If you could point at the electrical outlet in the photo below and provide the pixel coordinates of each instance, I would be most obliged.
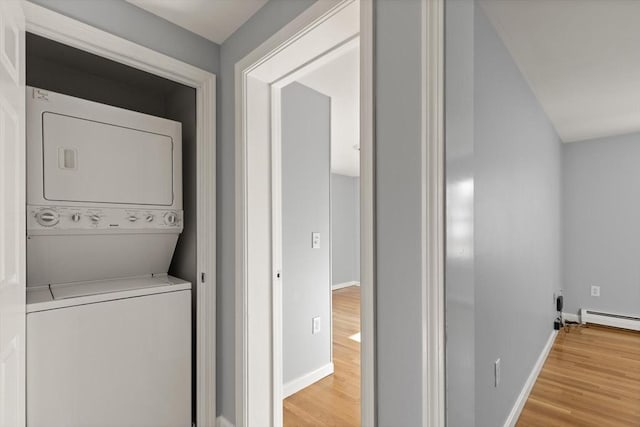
(315, 325)
(496, 372)
(315, 240)
(595, 291)
(554, 298)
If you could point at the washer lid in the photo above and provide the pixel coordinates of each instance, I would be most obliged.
(72, 294)
(100, 287)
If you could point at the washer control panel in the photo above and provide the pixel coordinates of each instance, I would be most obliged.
(78, 218)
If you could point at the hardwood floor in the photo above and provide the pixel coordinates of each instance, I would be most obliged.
(334, 400)
(591, 378)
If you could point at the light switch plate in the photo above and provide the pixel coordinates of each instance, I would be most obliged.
(315, 325)
(595, 291)
(315, 240)
(496, 372)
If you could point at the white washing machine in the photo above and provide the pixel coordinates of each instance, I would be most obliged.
(110, 353)
(108, 331)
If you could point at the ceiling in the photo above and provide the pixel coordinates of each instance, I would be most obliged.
(581, 59)
(212, 19)
(340, 80)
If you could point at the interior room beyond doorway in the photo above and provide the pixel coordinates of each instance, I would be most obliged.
(321, 242)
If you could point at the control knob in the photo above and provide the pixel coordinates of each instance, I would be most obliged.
(75, 217)
(132, 218)
(95, 218)
(47, 217)
(149, 218)
(170, 218)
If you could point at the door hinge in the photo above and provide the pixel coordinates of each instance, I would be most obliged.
(202, 277)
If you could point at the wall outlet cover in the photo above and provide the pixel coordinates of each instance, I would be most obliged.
(315, 325)
(595, 291)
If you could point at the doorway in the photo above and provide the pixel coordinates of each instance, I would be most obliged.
(260, 270)
(320, 228)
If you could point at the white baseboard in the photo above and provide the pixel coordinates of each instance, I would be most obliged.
(221, 421)
(571, 317)
(512, 419)
(306, 380)
(344, 285)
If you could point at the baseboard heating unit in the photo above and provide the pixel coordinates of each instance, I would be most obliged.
(610, 319)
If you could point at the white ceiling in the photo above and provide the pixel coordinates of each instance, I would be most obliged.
(581, 58)
(340, 80)
(212, 19)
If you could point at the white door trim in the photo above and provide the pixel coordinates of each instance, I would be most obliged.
(12, 215)
(279, 389)
(55, 26)
(368, 391)
(304, 23)
(433, 208)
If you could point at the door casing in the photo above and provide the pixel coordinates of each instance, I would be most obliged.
(258, 289)
(12, 215)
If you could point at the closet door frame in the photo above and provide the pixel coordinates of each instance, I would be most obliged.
(60, 28)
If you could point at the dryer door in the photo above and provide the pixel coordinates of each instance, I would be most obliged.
(90, 161)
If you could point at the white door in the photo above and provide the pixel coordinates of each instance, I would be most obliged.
(12, 215)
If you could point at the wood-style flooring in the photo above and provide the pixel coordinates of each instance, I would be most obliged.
(591, 378)
(334, 400)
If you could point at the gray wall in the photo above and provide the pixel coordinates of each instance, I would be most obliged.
(345, 229)
(601, 231)
(517, 212)
(398, 213)
(459, 267)
(306, 165)
(267, 21)
(132, 23)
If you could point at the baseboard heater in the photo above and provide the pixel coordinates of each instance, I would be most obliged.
(610, 319)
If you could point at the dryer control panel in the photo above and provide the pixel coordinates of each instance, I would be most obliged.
(62, 218)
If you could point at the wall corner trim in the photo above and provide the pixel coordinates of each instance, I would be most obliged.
(306, 380)
(512, 419)
(221, 421)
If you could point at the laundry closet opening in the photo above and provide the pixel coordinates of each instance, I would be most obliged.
(57, 69)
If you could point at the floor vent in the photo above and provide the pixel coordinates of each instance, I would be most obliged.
(610, 319)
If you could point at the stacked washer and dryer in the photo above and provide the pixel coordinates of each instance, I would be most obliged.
(108, 330)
